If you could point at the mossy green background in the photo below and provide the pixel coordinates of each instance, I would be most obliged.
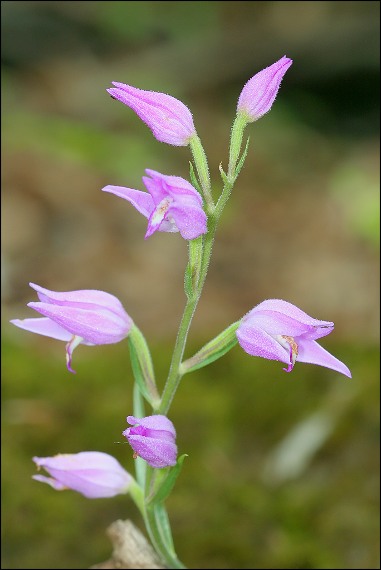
(302, 224)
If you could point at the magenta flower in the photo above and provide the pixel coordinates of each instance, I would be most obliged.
(79, 317)
(278, 330)
(168, 118)
(259, 92)
(172, 205)
(92, 473)
(153, 438)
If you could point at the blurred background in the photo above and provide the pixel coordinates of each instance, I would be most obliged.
(283, 470)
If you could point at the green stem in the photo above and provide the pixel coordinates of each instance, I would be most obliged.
(136, 493)
(160, 536)
(224, 197)
(174, 375)
(139, 412)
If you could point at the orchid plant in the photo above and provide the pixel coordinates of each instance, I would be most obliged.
(274, 329)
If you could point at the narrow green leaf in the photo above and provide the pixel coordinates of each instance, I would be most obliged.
(193, 178)
(137, 372)
(242, 159)
(224, 177)
(142, 366)
(168, 483)
(164, 526)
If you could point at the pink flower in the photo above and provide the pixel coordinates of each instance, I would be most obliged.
(91, 473)
(153, 438)
(278, 330)
(78, 317)
(260, 91)
(168, 118)
(172, 205)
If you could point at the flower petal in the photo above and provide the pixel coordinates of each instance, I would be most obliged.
(161, 185)
(142, 201)
(97, 327)
(158, 453)
(156, 421)
(50, 481)
(43, 326)
(83, 298)
(311, 352)
(279, 317)
(257, 342)
(190, 218)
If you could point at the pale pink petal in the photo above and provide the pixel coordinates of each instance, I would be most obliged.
(43, 326)
(156, 421)
(142, 201)
(257, 342)
(312, 353)
(97, 327)
(50, 481)
(83, 298)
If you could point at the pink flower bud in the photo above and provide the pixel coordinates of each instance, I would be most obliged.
(260, 91)
(153, 438)
(78, 317)
(278, 330)
(168, 118)
(91, 473)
